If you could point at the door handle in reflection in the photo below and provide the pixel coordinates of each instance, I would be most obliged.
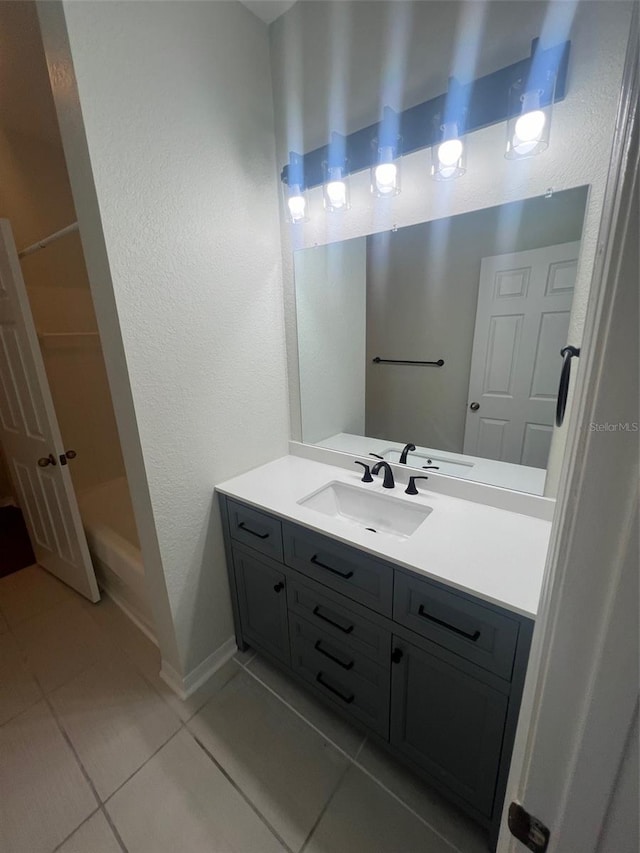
(68, 454)
(474, 407)
(44, 461)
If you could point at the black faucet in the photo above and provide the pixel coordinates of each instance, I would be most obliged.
(411, 488)
(403, 456)
(389, 482)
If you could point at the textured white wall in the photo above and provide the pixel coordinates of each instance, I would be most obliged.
(335, 64)
(331, 310)
(177, 110)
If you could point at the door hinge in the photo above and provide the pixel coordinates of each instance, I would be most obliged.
(528, 829)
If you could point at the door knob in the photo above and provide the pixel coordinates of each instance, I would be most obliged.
(44, 461)
(70, 454)
(474, 407)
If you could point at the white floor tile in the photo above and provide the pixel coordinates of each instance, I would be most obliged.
(61, 643)
(443, 816)
(287, 769)
(363, 818)
(145, 656)
(18, 688)
(115, 721)
(180, 801)
(94, 836)
(29, 592)
(330, 724)
(43, 793)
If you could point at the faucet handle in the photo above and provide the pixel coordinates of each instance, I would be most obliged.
(411, 488)
(432, 467)
(366, 477)
(377, 455)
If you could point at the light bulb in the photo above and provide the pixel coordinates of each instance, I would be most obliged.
(297, 206)
(528, 131)
(449, 152)
(386, 174)
(337, 193)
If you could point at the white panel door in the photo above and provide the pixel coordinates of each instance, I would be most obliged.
(29, 432)
(522, 320)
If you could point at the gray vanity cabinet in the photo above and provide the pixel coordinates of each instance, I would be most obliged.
(432, 673)
(262, 603)
(448, 722)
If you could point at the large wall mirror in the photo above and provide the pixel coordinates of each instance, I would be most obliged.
(489, 271)
(445, 335)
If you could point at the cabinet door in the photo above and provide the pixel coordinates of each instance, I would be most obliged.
(262, 601)
(448, 723)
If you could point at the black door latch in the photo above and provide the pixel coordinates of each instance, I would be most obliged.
(528, 829)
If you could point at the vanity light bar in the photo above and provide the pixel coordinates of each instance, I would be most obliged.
(487, 100)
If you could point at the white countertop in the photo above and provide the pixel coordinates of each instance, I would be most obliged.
(494, 554)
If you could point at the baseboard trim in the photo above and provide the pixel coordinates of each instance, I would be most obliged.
(185, 686)
(128, 612)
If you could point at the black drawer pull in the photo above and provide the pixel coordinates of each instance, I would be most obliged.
(246, 529)
(348, 699)
(327, 654)
(278, 587)
(316, 612)
(316, 561)
(473, 637)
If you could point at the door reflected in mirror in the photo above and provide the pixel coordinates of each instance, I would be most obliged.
(445, 335)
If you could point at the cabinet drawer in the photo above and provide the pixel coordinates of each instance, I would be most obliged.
(475, 632)
(351, 572)
(351, 681)
(340, 623)
(255, 529)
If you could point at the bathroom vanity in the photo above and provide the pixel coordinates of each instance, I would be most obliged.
(410, 615)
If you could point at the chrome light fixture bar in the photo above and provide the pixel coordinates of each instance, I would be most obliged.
(488, 102)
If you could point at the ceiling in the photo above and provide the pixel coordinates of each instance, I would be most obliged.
(268, 10)
(26, 102)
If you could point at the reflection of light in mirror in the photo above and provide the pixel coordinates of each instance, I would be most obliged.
(528, 129)
(337, 192)
(297, 208)
(386, 174)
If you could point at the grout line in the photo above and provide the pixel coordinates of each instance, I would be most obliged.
(356, 763)
(300, 715)
(67, 837)
(324, 809)
(114, 828)
(399, 800)
(145, 762)
(235, 785)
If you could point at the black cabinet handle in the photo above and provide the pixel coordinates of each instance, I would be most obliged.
(318, 648)
(316, 612)
(567, 353)
(278, 587)
(396, 655)
(246, 529)
(473, 637)
(348, 699)
(316, 562)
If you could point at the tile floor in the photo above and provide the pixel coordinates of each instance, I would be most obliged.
(97, 755)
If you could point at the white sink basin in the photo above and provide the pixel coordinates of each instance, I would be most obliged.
(417, 460)
(372, 511)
